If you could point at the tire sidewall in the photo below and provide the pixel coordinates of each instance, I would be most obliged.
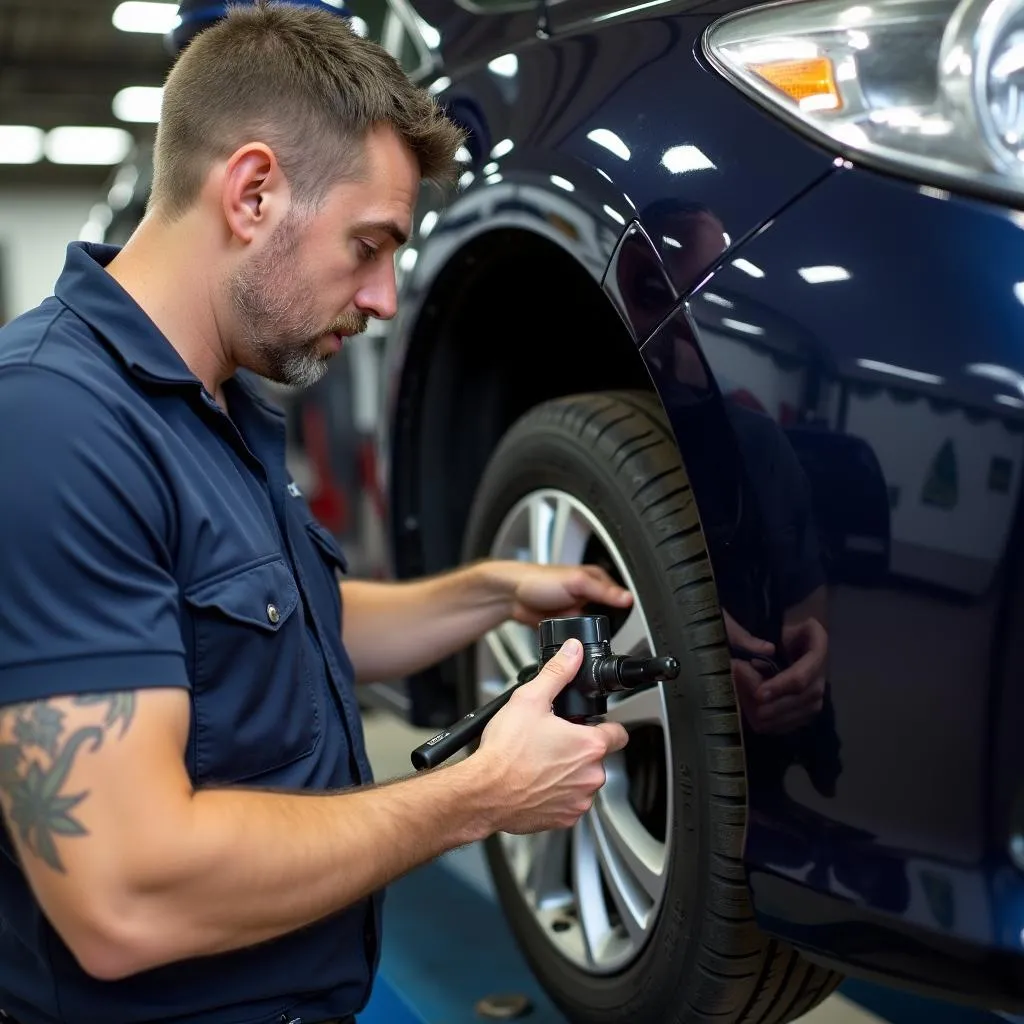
(541, 458)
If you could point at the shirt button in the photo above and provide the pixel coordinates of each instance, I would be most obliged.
(272, 613)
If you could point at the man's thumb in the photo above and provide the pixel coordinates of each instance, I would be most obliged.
(557, 672)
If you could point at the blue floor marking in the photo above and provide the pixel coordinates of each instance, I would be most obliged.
(446, 946)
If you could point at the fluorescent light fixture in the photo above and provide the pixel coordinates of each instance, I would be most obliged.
(439, 85)
(507, 65)
(357, 24)
(900, 371)
(630, 10)
(743, 327)
(748, 268)
(1018, 290)
(823, 274)
(502, 148)
(680, 159)
(94, 146)
(610, 141)
(428, 223)
(493, 179)
(615, 215)
(674, 242)
(717, 300)
(726, 239)
(21, 144)
(408, 260)
(139, 104)
(134, 16)
(467, 179)
(463, 155)
(562, 183)
(1001, 374)
(491, 168)
(1013, 403)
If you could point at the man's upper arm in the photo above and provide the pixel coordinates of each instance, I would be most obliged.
(88, 620)
(88, 599)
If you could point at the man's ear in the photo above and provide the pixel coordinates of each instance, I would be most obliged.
(251, 186)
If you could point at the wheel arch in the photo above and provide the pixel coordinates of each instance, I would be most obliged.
(511, 321)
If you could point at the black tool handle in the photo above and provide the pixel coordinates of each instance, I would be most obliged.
(447, 742)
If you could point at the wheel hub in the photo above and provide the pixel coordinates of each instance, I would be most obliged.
(595, 890)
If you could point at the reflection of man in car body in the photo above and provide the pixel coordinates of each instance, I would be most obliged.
(772, 703)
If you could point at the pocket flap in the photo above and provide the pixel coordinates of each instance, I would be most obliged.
(329, 547)
(261, 595)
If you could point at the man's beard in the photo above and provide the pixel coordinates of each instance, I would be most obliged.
(281, 340)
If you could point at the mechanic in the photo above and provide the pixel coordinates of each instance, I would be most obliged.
(191, 832)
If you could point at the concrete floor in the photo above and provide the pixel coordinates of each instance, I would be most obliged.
(390, 741)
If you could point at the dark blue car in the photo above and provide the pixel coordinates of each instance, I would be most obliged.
(729, 301)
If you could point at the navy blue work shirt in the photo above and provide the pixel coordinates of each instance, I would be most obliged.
(149, 540)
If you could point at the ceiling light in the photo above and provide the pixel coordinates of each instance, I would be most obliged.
(139, 104)
(134, 16)
(21, 144)
(748, 268)
(610, 141)
(614, 214)
(900, 371)
(740, 325)
(502, 148)
(506, 65)
(358, 26)
(680, 159)
(562, 183)
(824, 274)
(717, 300)
(99, 146)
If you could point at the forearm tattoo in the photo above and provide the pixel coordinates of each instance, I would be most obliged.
(37, 754)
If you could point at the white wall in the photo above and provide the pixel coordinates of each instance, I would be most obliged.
(35, 228)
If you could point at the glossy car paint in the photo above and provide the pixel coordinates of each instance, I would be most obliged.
(877, 324)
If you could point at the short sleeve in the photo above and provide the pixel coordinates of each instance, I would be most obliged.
(87, 598)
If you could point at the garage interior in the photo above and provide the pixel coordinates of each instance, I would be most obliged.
(79, 97)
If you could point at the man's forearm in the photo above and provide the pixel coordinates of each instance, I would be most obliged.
(246, 866)
(395, 629)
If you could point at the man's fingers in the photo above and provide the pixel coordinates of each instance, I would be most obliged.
(739, 637)
(597, 585)
(747, 679)
(557, 673)
(615, 735)
(793, 680)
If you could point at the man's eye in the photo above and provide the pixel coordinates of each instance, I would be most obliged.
(367, 251)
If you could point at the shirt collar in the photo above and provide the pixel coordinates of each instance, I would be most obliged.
(88, 290)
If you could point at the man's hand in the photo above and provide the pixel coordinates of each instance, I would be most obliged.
(549, 769)
(541, 591)
(781, 703)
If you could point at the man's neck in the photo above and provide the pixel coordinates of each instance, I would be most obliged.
(172, 283)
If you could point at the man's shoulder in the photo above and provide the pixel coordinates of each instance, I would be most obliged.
(51, 353)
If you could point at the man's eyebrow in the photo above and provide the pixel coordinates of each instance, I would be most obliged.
(389, 227)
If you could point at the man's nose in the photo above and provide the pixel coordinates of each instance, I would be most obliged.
(379, 295)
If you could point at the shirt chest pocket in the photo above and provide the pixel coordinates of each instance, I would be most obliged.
(255, 705)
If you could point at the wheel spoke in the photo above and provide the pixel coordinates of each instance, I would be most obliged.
(546, 876)
(631, 637)
(510, 646)
(542, 526)
(635, 851)
(569, 534)
(586, 879)
(633, 905)
(641, 707)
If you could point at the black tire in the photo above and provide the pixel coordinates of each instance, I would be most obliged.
(706, 960)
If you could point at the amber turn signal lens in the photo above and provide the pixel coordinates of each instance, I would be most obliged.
(811, 83)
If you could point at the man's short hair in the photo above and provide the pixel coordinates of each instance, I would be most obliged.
(300, 80)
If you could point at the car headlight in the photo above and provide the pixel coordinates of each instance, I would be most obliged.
(929, 87)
